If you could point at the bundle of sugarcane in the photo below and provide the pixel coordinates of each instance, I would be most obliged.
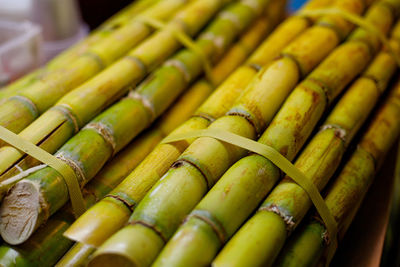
(103, 31)
(77, 108)
(20, 110)
(241, 189)
(110, 214)
(160, 212)
(345, 195)
(47, 245)
(45, 191)
(120, 167)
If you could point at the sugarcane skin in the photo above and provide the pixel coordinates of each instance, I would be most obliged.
(104, 89)
(45, 92)
(140, 181)
(348, 190)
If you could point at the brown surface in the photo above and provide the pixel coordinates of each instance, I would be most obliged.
(363, 243)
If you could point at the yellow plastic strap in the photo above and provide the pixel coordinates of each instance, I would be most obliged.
(281, 162)
(356, 20)
(184, 39)
(60, 166)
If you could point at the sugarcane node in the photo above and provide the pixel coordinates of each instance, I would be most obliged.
(203, 115)
(247, 116)
(66, 111)
(26, 102)
(181, 67)
(290, 224)
(138, 62)
(78, 170)
(300, 70)
(340, 132)
(150, 226)
(26, 195)
(322, 86)
(254, 66)
(96, 58)
(210, 220)
(131, 207)
(145, 102)
(218, 41)
(105, 132)
(181, 161)
(375, 80)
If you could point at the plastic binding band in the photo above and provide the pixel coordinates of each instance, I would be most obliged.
(69, 176)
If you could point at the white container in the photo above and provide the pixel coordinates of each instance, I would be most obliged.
(20, 49)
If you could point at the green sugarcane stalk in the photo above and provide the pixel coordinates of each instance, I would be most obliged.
(109, 132)
(344, 196)
(19, 111)
(287, 204)
(240, 190)
(114, 171)
(78, 107)
(160, 212)
(110, 214)
(103, 31)
(122, 165)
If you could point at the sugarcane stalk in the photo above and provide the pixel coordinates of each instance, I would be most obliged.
(20, 110)
(160, 212)
(349, 188)
(109, 132)
(110, 214)
(78, 107)
(287, 204)
(103, 31)
(240, 190)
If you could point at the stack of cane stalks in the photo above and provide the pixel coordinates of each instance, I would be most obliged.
(304, 87)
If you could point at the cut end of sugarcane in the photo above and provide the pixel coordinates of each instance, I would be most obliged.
(19, 212)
